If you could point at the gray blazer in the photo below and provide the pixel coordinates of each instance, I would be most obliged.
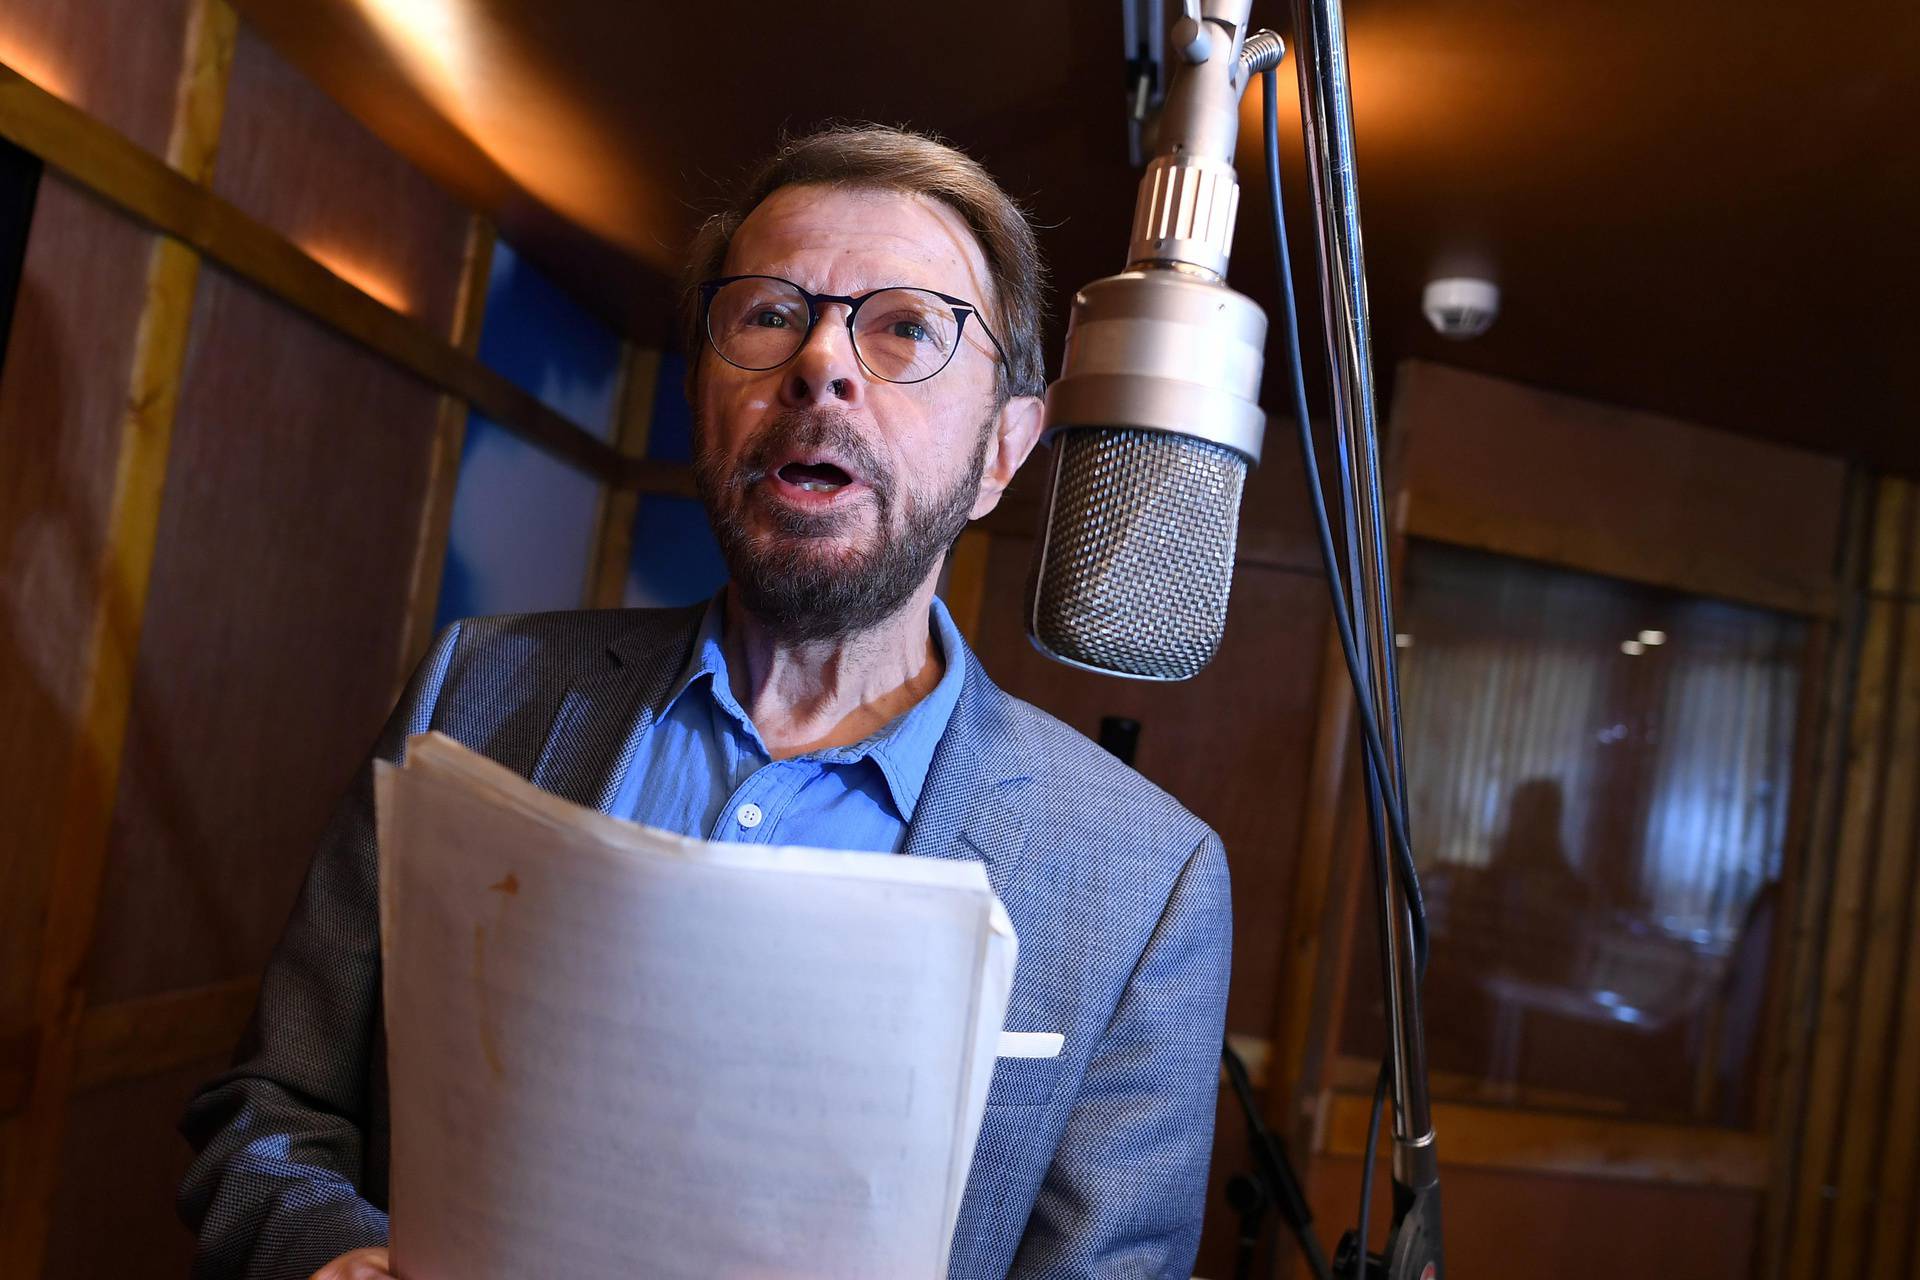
(1093, 1163)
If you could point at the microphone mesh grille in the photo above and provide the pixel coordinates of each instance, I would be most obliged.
(1135, 561)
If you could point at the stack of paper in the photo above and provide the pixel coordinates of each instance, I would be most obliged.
(623, 1053)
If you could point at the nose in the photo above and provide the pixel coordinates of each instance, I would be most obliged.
(825, 369)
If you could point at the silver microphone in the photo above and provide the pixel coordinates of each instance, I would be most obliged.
(1155, 417)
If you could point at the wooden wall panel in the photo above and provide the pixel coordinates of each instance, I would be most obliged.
(1498, 1225)
(113, 1213)
(1496, 465)
(279, 594)
(1231, 744)
(293, 158)
(62, 396)
(1856, 1190)
(117, 60)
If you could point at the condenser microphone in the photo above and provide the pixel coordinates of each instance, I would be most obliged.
(1155, 417)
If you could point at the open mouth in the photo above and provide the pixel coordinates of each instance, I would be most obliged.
(814, 477)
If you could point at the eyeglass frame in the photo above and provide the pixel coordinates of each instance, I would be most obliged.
(962, 309)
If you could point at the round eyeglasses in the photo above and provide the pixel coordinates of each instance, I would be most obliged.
(900, 334)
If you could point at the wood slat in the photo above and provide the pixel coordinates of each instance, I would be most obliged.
(120, 590)
(613, 543)
(133, 1038)
(1884, 927)
(1547, 1142)
(1892, 516)
(1898, 1185)
(449, 438)
(1838, 992)
(1830, 689)
(120, 172)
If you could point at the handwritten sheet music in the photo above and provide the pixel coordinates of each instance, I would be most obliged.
(616, 1052)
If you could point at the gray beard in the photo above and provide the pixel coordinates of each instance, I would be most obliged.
(800, 592)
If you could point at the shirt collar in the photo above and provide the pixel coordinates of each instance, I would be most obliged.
(902, 750)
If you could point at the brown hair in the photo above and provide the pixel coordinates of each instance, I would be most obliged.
(889, 159)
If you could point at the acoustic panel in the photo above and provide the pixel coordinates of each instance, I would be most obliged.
(267, 662)
(294, 159)
(62, 396)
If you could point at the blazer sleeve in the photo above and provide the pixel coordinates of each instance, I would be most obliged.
(277, 1188)
(1126, 1190)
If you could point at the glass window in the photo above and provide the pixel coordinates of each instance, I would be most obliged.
(674, 559)
(522, 536)
(543, 340)
(523, 529)
(1599, 777)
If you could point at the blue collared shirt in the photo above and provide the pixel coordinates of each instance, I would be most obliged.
(703, 770)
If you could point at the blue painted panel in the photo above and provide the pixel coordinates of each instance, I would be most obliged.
(675, 559)
(523, 529)
(541, 339)
(670, 435)
(523, 522)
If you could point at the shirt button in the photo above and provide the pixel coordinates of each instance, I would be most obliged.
(748, 815)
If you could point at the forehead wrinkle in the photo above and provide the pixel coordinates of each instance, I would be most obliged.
(936, 250)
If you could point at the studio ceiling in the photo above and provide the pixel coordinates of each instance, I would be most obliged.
(1705, 210)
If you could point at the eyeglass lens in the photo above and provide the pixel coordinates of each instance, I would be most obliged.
(900, 335)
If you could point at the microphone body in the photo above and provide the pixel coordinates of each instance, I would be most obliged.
(1155, 417)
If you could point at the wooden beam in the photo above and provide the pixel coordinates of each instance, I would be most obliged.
(1486, 1137)
(1837, 1006)
(118, 171)
(1884, 937)
(613, 544)
(1885, 929)
(1502, 467)
(967, 580)
(1898, 1185)
(1809, 885)
(1305, 950)
(119, 593)
(443, 462)
(134, 1038)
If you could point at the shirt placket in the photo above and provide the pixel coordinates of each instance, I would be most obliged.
(753, 812)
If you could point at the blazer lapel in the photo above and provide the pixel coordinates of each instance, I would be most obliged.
(974, 804)
(609, 708)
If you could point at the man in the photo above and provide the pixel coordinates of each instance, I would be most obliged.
(865, 370)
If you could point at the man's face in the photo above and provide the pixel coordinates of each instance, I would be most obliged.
(833, 492)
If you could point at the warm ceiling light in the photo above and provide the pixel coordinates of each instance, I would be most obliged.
(33, 64)
(525, 118)
(436, 37)
(1632, 648)
(368, 280)
(1653, 637)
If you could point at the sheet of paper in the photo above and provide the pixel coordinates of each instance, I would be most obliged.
(616, 1052)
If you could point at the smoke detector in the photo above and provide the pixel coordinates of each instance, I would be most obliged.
(1461, 307)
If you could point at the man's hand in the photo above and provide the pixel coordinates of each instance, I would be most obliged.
(361, 1264)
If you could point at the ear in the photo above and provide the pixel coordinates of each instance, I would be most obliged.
(1016, 430)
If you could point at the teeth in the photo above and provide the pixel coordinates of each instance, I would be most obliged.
(818, 486)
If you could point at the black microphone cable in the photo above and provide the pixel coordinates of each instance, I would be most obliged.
(1376, 756)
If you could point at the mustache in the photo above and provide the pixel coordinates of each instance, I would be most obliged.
(806, 430)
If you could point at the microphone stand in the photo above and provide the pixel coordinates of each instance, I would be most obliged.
(1320, 56)
(1273, 1184)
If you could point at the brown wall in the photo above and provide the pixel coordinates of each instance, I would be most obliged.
(211, 502)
